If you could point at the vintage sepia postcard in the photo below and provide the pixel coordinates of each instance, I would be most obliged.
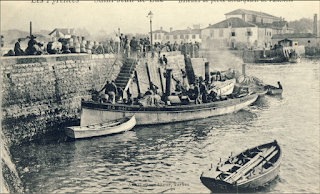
(159, 96)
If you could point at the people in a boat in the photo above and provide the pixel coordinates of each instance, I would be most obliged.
(129, 100)
(197, 93)
(203, 92)
(111, 90)
(106, 96)
(280, 86)
(179, 87)
(153, 88)
(119, 96)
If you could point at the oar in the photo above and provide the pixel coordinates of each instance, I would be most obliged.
(249, 165)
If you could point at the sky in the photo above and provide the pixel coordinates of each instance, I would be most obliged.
(131, 17)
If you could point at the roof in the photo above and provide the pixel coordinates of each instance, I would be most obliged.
(63, 31)
(295, 35)
(250, 12)
(159, 31)
(235, 23)
(187, 31)
(275, 24)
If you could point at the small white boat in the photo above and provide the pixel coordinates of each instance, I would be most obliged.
(107, 128)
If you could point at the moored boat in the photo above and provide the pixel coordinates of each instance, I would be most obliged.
(105, 128)
(248, 170)
(93, 112)
(272, 90)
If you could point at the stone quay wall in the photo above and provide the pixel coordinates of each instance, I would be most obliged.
(43, 93)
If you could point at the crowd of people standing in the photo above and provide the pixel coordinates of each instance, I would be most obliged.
(120, 44)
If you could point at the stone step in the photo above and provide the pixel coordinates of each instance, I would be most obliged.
(124, 74)
(122, 79)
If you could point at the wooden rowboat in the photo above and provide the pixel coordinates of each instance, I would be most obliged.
(107, 128)
(248, 170)
(93, 112)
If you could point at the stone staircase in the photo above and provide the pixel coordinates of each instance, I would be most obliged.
(128, 67)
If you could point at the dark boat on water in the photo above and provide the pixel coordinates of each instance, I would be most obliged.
(248, 170)
(272, 90)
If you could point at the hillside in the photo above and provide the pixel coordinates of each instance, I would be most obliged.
(11, 36)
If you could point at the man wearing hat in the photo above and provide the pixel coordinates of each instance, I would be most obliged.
(17, 49)
(31, 49)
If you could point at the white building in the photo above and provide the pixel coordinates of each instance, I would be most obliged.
(158, 35)
(186, 36)
(244, 28)
(62, 33)
(229, 33)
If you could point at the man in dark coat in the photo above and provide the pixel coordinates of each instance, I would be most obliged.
(31, 49)
(17, 49)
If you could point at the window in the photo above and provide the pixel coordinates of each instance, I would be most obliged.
(187, 36)
(233, 34)
(221, 32)
(159, 36)
(212, 33)
(181, 36)
(308, 41)
(155, 36)
(193, 36)
(175, 37)
(167, 37)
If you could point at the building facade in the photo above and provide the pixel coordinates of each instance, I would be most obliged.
(300, 39)
(158, 36)
(243, 29)
(183, 36)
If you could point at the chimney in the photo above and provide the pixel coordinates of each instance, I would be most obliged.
(30, 28)
(68, 30)
(315, 25)
(209, 24)
(170, 29)
(280, 19)
(161, 28)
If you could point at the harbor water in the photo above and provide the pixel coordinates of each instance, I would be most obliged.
(170, 158)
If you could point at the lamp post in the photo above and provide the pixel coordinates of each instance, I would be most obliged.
(150, 14)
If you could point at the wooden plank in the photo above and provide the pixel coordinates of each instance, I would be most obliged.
(249, 165)
(252, 165)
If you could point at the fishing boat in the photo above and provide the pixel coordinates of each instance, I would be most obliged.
(248, 170)
(94, 112)
(105, 128)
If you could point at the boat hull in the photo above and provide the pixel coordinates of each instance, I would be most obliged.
(274, 91)
(98, 129)
(294, 60)
(99, 113)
